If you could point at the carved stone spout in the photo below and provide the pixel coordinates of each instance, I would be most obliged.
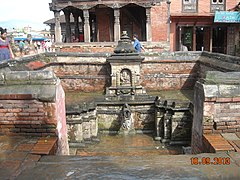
(126, 117)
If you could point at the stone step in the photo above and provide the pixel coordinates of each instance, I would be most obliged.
(45, 146)
(215, 142)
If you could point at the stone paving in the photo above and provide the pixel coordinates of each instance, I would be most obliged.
(15, 155)
(17, 162)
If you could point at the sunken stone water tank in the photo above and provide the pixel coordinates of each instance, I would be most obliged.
(127, 108)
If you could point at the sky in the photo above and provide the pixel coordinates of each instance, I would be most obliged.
(34, 11)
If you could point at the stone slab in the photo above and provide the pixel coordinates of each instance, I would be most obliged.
(237, 142)
(218, 143)
(230, 136)
(238, 134)
(44, 146)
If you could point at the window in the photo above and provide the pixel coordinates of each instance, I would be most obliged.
(217, 5)
(217, 1)
(189, 5)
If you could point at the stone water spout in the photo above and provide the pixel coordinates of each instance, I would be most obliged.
(126, 117)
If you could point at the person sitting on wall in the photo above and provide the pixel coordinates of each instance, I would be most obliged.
(137, 45)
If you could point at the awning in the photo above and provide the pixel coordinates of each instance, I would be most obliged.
(227, 17)
(20, 38)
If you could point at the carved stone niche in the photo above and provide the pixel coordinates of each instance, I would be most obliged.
(125, 69)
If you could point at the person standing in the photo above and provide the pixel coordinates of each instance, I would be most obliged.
(137, 45)
(21, 47)
(5, 49)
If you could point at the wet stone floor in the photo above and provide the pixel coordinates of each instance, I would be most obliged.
(126, 145)
(117, 157)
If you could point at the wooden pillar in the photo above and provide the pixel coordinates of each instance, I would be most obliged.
(76, 25)
(194, 38)
(211, 39)
(117, 25)
(148, 25)
(169, 20)
(58, 31)
(68, 27)
(180, 39)
(86, 25)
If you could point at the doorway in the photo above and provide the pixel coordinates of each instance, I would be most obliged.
(199, 38)
(219, 39)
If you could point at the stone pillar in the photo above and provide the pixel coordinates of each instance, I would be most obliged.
(159, 114)
(167, 127)
(117, 27)
(76, 25)
(86, 25)
(57, 27)
(148, 25)
(68, 27)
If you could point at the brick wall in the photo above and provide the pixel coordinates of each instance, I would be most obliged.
(21, 114)
(33, 104)
(203, 6)
(87, 73)
(159, 22)
(224, 113)
(216, 106)
(169, 75)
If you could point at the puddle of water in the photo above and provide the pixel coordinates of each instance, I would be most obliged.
(73, 98)
(185, 95)
(128, 145)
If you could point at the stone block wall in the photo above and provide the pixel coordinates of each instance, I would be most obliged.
(110, 117)
(33, 104)
(82, 127)
(216, 106)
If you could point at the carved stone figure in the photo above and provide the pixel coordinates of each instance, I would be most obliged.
(126, 117)
(125, 77)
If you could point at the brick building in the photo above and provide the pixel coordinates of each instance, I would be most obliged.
(161, 25)
(192, 25)
(103, 21)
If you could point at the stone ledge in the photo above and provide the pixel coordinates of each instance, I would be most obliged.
(45, 146)
(214, 91)
(27, 77)
(39, 85)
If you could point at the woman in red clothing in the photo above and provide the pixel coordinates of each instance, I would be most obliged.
(5, 49)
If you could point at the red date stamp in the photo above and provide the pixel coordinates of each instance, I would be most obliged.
(210, 161)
